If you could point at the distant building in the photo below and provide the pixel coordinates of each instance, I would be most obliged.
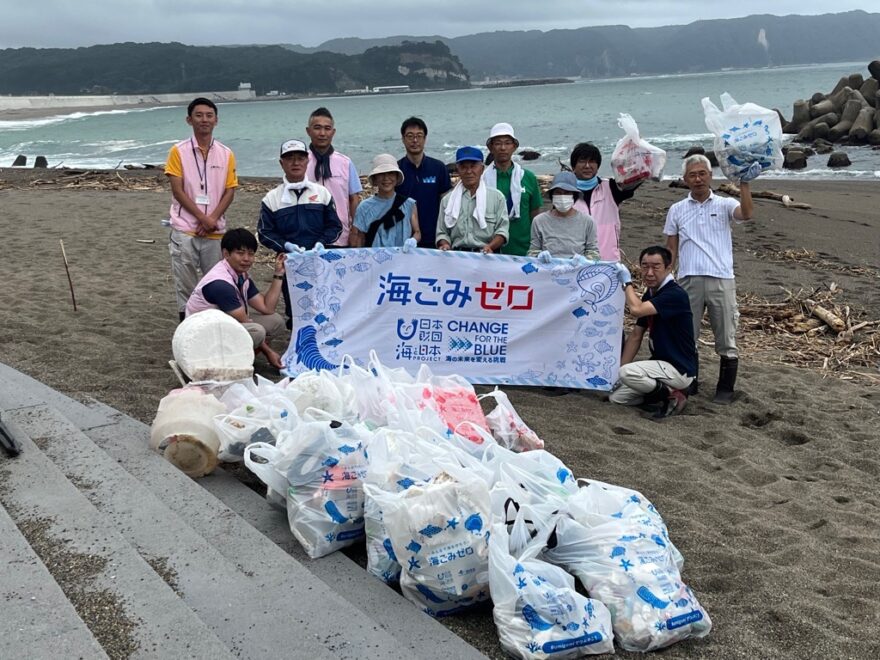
(390, 89)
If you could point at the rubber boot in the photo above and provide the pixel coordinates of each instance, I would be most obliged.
(726, 380)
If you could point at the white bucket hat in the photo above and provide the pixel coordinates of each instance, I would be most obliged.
(386, 163)
(500, 129)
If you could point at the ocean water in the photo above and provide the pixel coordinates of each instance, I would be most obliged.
(550, 119)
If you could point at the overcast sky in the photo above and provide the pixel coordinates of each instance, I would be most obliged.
(68, 23)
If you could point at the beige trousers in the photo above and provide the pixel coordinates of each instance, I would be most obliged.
(640, 378)
(191, 258)
(264, 326)
(717, 296)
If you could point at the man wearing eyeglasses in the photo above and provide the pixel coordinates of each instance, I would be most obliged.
(518, 185)
(425, 179)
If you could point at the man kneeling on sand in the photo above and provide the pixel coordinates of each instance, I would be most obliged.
(665, 312)
(229, 288)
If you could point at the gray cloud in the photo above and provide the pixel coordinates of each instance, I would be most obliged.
(60, 23)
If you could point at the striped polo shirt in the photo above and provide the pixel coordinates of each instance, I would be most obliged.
(705, 244)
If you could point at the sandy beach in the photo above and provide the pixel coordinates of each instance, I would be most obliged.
(773, 500)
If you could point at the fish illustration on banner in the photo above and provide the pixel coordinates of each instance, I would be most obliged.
(598, 284)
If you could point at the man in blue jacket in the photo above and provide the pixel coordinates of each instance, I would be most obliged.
(298, 211)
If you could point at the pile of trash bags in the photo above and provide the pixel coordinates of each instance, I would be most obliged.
(460, 508)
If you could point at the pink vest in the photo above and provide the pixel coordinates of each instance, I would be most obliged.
(223, 272)
(197, 171)
(607, 218)
(338, 185)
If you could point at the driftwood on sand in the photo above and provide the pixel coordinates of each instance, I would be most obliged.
(733, 190)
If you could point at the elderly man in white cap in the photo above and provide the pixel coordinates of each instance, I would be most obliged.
(387, 218)
(518, 185)
(298, 211)
(473, 217)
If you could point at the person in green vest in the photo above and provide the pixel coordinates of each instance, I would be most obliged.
(518, 185)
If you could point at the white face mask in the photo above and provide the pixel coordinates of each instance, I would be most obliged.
(562, 203)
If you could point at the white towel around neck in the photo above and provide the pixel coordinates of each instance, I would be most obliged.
(490, 176)
(288, 186)
(453, 208)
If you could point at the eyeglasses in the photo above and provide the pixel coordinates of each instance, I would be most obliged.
(414, 136)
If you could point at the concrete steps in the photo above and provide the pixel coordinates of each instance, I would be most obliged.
(36, 613)
(195, 571)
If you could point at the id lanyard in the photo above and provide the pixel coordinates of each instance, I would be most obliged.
(203, 175)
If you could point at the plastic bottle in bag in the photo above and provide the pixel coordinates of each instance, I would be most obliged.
(537, 611)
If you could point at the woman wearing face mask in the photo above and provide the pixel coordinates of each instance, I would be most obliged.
(563, 231)
(600, 198)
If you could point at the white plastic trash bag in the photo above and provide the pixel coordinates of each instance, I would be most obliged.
(398, 460)
(748, 138)
(439, 532)
(507, 427)
(236, 430)
(635, 159)
(325, 391)
(624, 559)
(320, 467)
(534, 477)
(537, 611)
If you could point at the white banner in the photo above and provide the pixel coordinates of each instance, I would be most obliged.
(494, 319)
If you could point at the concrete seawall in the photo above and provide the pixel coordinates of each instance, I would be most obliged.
(110, 101)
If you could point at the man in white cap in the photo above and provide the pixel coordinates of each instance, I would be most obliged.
(298, 211)
(387, 218)
(518, 185)
(473, 217)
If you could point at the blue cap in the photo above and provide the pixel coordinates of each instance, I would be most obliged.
(564, 181)
(468, 153)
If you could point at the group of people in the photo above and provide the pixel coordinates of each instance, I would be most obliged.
(495, 207)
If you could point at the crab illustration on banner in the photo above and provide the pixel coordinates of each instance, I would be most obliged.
(493, 319)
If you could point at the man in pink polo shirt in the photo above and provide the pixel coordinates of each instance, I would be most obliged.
(229, 288)
(333, 170)
(203, 181)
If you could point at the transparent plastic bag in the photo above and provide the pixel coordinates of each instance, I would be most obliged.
(537, 611)
(325, 391)
(507, 427)
(439, 533)
(748, 138)
(398, 460)
(622, 555)
(634, 159)
(236, 430)
(320, 467)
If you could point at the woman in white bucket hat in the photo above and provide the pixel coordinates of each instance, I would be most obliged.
(387, 218)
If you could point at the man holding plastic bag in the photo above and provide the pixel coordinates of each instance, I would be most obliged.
(698, 233)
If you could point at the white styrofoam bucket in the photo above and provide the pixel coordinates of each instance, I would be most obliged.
(211, 345)
(184, 433)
